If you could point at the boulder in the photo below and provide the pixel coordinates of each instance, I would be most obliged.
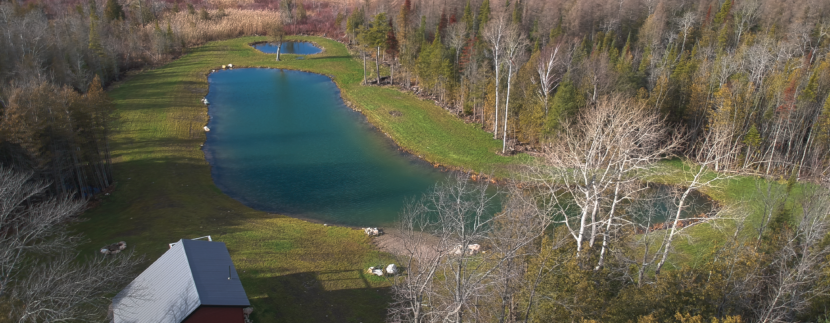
(371, 231)
(392, 269)
(472, 249)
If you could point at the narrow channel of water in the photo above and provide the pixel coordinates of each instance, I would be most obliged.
(283, 141)
(291, 47)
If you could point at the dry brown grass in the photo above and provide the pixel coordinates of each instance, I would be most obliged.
(235, 23)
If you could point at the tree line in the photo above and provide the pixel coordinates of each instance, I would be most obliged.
(757, 70)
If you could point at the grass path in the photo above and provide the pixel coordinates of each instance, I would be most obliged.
(293, 270)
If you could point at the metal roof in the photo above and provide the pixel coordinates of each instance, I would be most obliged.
(190, 274)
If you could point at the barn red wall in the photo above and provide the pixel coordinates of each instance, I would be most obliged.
(208, 314)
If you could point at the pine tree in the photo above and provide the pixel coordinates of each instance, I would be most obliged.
(113, 11)
(94, 38)
(564, 105)
(809, 92)
(517, 13)
(468, 16)
(723, 13)
(484, 14)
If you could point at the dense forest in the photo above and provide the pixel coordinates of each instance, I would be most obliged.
(757, 70)
(601, 93)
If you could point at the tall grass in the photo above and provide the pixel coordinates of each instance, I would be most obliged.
(223, 24)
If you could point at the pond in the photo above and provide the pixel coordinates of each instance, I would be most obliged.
(659, 204)
(291, 47)
(284, 142)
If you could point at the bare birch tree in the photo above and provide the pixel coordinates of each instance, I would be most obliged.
(685, 23)
(548, 67)
(590, 169)
(515, 43)
(697, 173)
(494, 34)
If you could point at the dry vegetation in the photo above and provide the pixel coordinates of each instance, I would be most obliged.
(224, 24)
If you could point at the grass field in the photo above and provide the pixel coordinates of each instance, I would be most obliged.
(293, 270)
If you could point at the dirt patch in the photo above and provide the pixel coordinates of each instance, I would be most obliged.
(395, 113)
(393, 241)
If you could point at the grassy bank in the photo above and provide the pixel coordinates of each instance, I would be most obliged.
(293, 270)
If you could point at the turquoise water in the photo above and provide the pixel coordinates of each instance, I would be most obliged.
(299, 48)
(283, 141)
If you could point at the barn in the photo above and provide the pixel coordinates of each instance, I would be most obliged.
(194, 281)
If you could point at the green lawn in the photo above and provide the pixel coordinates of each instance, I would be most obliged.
(293, 270)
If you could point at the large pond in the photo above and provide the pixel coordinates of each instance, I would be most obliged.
(291, 47)
(284, 142)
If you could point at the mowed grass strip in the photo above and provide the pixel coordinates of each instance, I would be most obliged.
(293, 270)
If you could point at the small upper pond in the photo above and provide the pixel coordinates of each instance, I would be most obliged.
(291, 47)
(284, 142)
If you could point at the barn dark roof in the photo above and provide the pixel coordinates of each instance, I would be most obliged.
(192, 273)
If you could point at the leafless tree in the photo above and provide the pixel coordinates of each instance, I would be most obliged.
(62, 289)
(515, 43)
(443, 233)
(548, 68)
(593, 164)
(494, 33)
(790, 281)
(697, 173)
(457, 37)
(40, 274)
(685, 23)
(27, 227)
(746, 17)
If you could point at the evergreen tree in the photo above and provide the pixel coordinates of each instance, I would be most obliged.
(94, 37)
(517, 13)
(468, 16)
(564, 105)
(483, 14)
(723, 13)
(113, 11)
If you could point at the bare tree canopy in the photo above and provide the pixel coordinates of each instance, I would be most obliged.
(41, 277)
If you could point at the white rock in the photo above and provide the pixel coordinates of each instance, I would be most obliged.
(207, 129)
(377, 272)
(104, 250)
(391, 269)
(230, 65)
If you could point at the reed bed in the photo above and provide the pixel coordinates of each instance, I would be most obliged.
(223, 24)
